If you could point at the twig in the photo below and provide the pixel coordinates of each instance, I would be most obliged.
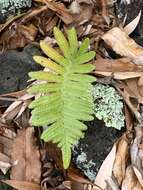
(7, 99)
(33, 13)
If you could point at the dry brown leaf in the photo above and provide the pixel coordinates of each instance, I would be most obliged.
(60, 10)
(26, 157)
(18, 36)
(134, 149)
(136, 154)
(120, 75)
(22, 185)
(85, 14)
(123, 45)
(119, 167)
(112, 184)
(130, 99)
(129, 28)
(16, 108)
(128, 119)
(130, 181)
(6, 144)
(117, 65)
(4, 163)
(135, 90)
(105, 170)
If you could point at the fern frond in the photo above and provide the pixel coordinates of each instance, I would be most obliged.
(49, 64)
(66, 99)
(83, 47)
(73, 42)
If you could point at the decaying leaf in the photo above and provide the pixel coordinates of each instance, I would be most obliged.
(60, 10)
(130, 181)
(16, 108)
(4, 163)
(18, 36)
(123, 45)
(136, 155)
(117, 65)
(129, 28)
(26, 157)
(119, 167)
(22, 185)
(112, 184)
(105, 170)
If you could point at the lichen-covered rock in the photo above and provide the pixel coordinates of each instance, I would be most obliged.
(108, 106)
(90, 152)
(11, 7)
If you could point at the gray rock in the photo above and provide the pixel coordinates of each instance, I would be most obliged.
(90, 152)
(14, 68)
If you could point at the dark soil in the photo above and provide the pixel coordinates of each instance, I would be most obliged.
(91, 151)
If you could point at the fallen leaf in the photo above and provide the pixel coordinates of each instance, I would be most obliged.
(112, 184)
(4, 163)
(26, 157)
(60, 10)
(134, 149)
(130, 181)
(119, 167)
(22, 185)
(128, 119)
(129, 28)
(128, 97)
(105, 170)
(123, 45)
(6, 144)
(16, 108)
(136, 154)
(120, 75)
(139, 175)
(18, 36)
(117, 65)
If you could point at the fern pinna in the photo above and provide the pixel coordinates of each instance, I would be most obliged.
(66, 99)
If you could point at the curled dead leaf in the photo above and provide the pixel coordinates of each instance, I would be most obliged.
(22, 185)
(119, 167)
(123, 45)
(105, 170)
(4, 163)
(130, 181)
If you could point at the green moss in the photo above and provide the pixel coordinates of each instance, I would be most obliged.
(108, 106)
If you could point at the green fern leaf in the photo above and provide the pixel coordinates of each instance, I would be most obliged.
(49, 64)
(84, 58)
(83, 47)
(72, 37)
(45, 76)
(62, 42)
(66, 99)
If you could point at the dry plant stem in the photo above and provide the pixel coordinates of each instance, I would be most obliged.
(33, 13)
(104, 8)
(127, 100)
(10, 21)
(8, 99)
(103, 5)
